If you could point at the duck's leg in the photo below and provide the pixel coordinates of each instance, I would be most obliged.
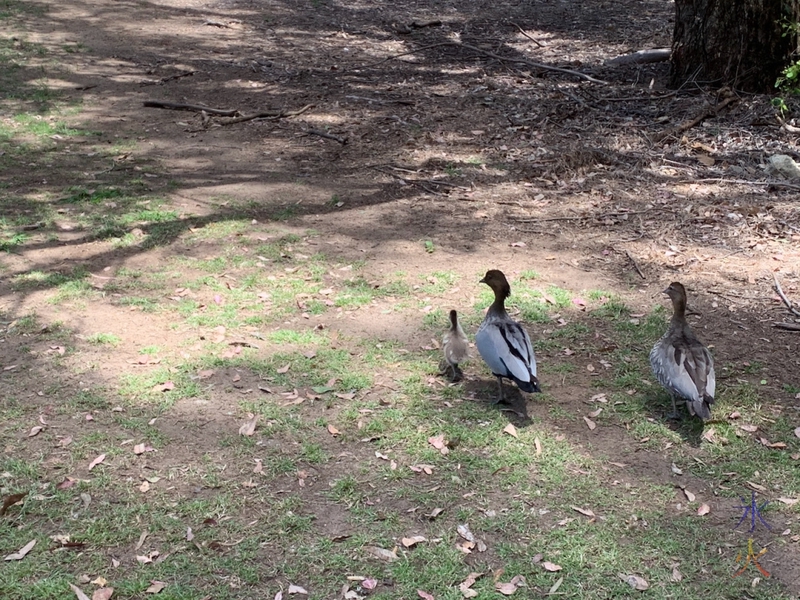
(458, 374)
(500, 397)
(674, 416)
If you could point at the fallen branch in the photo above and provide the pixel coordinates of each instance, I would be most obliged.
(786, 301)
(641, 57)
(327, 136)
(164, 80)
(686, 125)
(191, 107)
(635, 265)
(787, 127)
(271, 115)
(522, 31)
(597, 217)
(787, 326)
(523, 61)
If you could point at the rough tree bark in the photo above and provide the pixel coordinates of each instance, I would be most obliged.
(739, 43)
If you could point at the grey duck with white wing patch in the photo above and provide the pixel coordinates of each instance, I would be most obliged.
(681, 363)
(502, 342)
(455, 347)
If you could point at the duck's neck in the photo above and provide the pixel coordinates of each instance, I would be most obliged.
(678, 311)
(498, 307)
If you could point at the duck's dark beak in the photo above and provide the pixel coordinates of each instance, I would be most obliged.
(483, 280)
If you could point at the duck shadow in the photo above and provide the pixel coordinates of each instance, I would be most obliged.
(689, 428)
(484, 392)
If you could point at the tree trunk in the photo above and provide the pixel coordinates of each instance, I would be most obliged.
(739, 43)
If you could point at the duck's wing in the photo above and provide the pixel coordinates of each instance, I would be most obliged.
(506, 348)
(456, 348)
(685, 367)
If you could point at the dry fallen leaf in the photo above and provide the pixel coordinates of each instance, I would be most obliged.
(703, 510)
(689, 495)
(510, 587)
(333, 431)
(590, 424)
(35, 430)
(382, 553)
(97, 461)
(296, 589)
(538, 444)
(19, 555)
(596, 413)
(104, 593)
(797, 432)
(424, 595)
(788, 501)
(635, 582)
(464, 532)
(155, 587)
(142, 538)
(189, 534)
(145, 487)
(439, 443)
(548, 566)
(510, 430)
(248, 428)
(408, 542)
(748, 428)
(466, 585)
(369, 584)
(283, 369)
(583, 511)
(677, 576)
(79, 592)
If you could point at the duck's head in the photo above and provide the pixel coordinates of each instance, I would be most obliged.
(498, 282)
(453, 318)
(676, 291)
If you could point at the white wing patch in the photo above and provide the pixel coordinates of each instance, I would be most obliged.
(506, 348)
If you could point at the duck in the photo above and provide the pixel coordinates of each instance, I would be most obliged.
(681, 363)
(455, 348)
(502, 342)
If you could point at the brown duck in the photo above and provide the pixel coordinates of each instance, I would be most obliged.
(681, 363)
(455, 347)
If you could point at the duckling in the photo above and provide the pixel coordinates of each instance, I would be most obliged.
(502, 342)
(681, 363)
(455, 348)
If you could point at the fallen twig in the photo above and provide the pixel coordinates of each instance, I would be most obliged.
(271, 115)
(635, 265)
(787, 326)
(164, 80)
(597, 217)
(522, 31)
(686, 125)
(786, 301)
(327, 136)
(191, 107)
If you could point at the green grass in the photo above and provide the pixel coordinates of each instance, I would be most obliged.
(100, 339)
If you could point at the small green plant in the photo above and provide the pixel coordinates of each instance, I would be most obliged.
(429, 247)
(109, 339)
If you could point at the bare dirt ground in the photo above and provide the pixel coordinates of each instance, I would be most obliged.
(435, 129)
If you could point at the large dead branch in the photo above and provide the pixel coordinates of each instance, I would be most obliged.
(508, 59)
(190, 107)
(641, 57)
(271, 115)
